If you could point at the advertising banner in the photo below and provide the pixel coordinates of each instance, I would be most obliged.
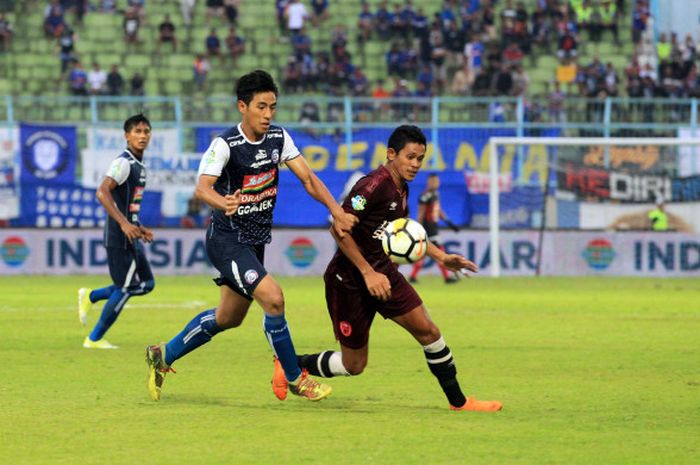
(48, 154)
(302, 252)
(172, 175)
(9, 171)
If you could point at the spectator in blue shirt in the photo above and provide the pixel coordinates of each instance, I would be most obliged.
(77, 79)
(365, 23)
(383, 21)
(213, 44)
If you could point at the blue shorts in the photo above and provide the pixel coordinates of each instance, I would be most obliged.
(240, 265)
(128, 267)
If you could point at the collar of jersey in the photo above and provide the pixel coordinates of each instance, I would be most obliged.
(134, 157)
(240, 131)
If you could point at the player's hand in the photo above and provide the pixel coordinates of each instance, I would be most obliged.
(232, 203)
(343, 223)
(131, 231)
(378, 286)
(454, 262)
(146, 234)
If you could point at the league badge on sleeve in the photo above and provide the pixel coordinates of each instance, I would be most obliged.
(358, 203)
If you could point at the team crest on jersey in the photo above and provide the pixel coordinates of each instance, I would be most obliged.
(250, 276)
(358, 203)
(345, 328)
(275, 156)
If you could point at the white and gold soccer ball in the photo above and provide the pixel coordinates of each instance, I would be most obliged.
(405, 241)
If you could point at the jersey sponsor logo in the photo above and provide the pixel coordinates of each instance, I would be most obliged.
(379, 232)
(358, 203)
(392, 206)
(345, 328)
(138, 193)
(235, 143)
(134, 207)
(255, 198)
(115, 171)
(250, 276)
(275, 135)
(261, 154)
(260, 181)
(210, 158)
(248, 209)
(260, 163)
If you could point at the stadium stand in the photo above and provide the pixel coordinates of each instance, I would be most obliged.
(100, 38)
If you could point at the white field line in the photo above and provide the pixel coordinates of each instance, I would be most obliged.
(98, 306)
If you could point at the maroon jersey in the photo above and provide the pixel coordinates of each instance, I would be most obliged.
(375, 200)
(431, 201)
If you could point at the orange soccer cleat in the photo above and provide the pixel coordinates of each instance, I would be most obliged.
(474, 405)
(279, 382)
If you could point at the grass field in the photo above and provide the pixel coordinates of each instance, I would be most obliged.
(590, 371)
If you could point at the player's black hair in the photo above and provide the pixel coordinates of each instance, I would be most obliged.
(432, 175)
(136, 120)
(253, 83)
(406, 134)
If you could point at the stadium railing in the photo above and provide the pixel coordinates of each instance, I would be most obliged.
(578, 117)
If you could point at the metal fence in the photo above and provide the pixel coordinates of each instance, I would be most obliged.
(608, 117)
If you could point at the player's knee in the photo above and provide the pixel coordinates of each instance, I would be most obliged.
(427, 334)
(274, 305)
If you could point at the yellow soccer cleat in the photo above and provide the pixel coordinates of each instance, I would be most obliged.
(84, 304)
(101, 344)
(309, 388)
(157, 368)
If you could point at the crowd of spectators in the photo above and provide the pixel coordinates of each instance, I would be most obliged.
(462, 47)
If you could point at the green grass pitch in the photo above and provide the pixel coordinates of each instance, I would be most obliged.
(590, 370)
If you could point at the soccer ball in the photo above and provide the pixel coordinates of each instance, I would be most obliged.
(405, 241)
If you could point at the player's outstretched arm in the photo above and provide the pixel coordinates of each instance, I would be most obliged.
(377, 284)
(451, 261)
(104, 195)
(343, 222)
(206, 193)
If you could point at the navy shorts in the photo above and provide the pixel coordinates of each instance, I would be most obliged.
(128, 267)
(352, 308)
(240, 265)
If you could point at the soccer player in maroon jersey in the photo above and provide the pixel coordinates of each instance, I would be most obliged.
(429, 213)
(361, 280)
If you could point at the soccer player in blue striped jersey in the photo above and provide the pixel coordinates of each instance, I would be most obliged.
(120, 193)
(238, 178)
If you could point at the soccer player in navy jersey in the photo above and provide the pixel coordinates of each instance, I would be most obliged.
(361, 280)
(120, 193)
(238, 178)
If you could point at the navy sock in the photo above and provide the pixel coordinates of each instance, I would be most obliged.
(110, 313)
(199, 331)
(102, 293)
(280, 340)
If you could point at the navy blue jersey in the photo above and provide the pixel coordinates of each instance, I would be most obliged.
(252, 167)
(130, 175)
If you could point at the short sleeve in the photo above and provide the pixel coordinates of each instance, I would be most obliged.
(119, 170)
(289, 150)
(361, 197)
(215, 158)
